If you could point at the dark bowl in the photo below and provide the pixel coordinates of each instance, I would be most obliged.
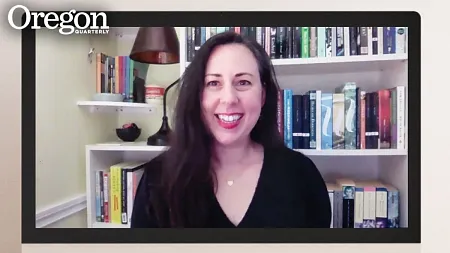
(128, 134)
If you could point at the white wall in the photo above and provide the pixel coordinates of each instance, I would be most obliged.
(63, 76)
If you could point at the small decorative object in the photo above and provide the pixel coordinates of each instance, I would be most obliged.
(154, 94)
(138, 85)
(129, 132)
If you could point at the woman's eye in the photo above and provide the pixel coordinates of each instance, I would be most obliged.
(212, 83)
(243, 82)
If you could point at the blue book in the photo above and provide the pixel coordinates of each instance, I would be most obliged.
(288, 117)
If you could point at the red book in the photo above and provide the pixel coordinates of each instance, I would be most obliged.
(384, 119)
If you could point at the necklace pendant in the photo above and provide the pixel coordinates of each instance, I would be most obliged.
(230, 182)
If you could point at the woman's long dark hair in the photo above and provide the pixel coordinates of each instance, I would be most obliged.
(186, 179)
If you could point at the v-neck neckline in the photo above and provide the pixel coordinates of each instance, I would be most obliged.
(254, 200)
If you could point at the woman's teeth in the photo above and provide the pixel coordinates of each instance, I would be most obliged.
(229, 118)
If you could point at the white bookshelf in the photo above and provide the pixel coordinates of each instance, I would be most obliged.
(119, 107)
(370, 72)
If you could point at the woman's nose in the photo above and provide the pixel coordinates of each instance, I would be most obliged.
(228, 94)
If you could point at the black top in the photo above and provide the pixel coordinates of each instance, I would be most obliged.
(290, 193)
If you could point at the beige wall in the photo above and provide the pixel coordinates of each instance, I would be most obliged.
(63, 76)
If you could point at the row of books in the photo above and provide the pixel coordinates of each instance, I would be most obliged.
(306, 42)
(115, 189)
(363, 204)
(354, 204)
(115, 74)
(347, 118)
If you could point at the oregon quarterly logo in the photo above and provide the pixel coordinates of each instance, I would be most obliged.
(68, 22)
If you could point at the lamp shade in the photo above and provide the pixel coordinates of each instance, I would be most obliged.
(156, 45)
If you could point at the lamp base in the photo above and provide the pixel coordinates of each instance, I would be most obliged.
(160, 138)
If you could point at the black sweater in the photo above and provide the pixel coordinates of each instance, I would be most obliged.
(290, 193)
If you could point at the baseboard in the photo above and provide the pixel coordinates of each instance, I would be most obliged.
(59, 211)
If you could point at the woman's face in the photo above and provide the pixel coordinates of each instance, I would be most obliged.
(233, 94)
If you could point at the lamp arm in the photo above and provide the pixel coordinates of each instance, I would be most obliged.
(165, 95)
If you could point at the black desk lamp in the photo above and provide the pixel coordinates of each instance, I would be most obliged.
(157, 45)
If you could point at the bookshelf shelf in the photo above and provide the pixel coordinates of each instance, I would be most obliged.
(122, 107)
(356, 152)
(143, 147)
(326, 65)
(108, 225)
(125, 146)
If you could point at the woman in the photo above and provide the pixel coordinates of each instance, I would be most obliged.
(227, 165)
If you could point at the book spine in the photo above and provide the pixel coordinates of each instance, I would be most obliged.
(97, 197)
(259, 35)
(130, 197)
(123, 199)
(327, 121)
(273, 42)
(312, 121)
(384, 119)
(348, 206)
(328, 42)
(296, 42)
(263, 36)
(285, 117)
(289, 42)
(369, 207)
(350, 116)
(338, 208)
(347, 41)
(372, 118)
(374, 40)
(381, 207)
(106, 196)
(364, 48)
(313, 42)
(268, 39)
(393, 209)
(369, 41)
(288, 117)
(297, 121)
(338, 121)
(400, 40)
(321, 42)
(334, 41)
(280, 112)
(202, 35)
(359, 207)
(358, 40)
(362, 109)
(305, 121)
(115, 195)
(393, 100)
(102, 196)
(340, 47)
(358, 117)
(389, 40)
(401, 117)
(380, 35)
(331, 198)
(318, 119)
(305, 42)
(353, 41)
(280, 40)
